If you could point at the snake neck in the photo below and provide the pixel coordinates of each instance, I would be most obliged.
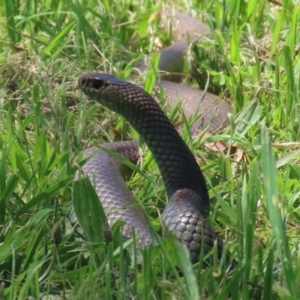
(175, 160)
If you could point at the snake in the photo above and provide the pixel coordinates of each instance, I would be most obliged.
(188, 205)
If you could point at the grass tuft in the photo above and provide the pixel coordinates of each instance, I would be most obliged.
(46, 123)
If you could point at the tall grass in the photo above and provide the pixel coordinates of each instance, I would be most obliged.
(46, 123)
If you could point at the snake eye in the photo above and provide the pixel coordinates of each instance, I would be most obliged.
(97, 84)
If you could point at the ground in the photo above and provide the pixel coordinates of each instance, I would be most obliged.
(252, 174)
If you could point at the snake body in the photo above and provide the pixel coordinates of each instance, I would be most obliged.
(211, 112)
(188, 207)
(106, 174)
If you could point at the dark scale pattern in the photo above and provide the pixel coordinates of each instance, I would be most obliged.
(182, 217)
(185, 216)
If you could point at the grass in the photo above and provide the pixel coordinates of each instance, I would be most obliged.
(46, 122)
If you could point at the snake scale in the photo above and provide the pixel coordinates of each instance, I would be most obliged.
(188, 208)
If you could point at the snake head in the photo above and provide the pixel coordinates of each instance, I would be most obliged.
(105, 88)
(118, 95)
(92, 84)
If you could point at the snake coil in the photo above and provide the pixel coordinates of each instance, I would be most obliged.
(188, 207)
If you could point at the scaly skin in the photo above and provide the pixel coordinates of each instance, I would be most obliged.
(188, 207)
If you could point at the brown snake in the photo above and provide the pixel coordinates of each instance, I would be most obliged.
(188, 207)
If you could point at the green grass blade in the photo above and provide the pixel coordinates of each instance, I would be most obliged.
(89, 211)
(273, 204)
(58, 40)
